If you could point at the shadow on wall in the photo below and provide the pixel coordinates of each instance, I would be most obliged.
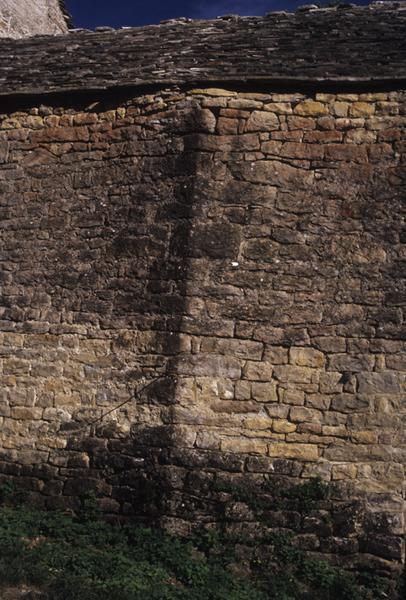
(147, 262)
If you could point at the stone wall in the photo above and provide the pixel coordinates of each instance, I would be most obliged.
(249, 249)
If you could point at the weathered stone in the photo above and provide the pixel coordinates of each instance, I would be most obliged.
(262, 121)
(283, 426)
(293, 374)
(264, 392)
(348, 363)
(203, 365)
(307, 415)
(361, 109)
(227, 126)
(311, 108)
(296, 451)
(216, 240)
(346, 153)
(379, 383)
(242, 390)
(276, 174)
(306, 357)
(279, 108)
(244, 446)
(349, 403)
(258, 371)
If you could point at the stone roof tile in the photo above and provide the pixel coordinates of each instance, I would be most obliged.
(352, 44)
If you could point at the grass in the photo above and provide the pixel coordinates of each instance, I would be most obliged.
(83, 557)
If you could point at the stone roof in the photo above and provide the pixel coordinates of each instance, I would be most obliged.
(349, 43)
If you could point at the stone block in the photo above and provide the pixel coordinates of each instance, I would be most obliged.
(340, 109)
(293, 374)
(379, 383)
(276, 173)
(258, 371)
(311, 108)
(262, 121)
(243, 390)
(301, 123)
(346, 153)
(227, 126)
(291, 396)
(302, 151)
(209, 440)
(318, 401)
(396, 362)
(245, 103)
(279, 108)
(352, 364)
(204, 365)
(271, 147)
(25, 413)
(283, 426)
(276, 355)
(243, 446)
(348, 403)
(343, 471)
(306, 357)
(365, 437)
(216, 92)
(216, 240)
(305, 415)
(361, 109)
(322, 137)
(278, 411)
(306, 452)
(264, 392)
(259, 464)
(259, 422)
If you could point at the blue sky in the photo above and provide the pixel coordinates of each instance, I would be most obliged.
(116, 13)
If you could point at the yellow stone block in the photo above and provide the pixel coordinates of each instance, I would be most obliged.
(340, 472)
(11, 124)
(361, 109)
(279, 108)
(372, 97)
(307, 357)
(258, 423)
(297, 451)
(325, 97)
(282, 426)
(52, 442)
(365, 437)
(243, 445)
(67, 400)
(311, 108)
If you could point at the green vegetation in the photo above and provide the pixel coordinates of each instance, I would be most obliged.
(302, 498)
(83, 557)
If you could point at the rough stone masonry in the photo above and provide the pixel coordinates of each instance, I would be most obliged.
(219, 204)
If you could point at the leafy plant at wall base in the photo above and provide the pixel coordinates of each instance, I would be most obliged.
(85, 558)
